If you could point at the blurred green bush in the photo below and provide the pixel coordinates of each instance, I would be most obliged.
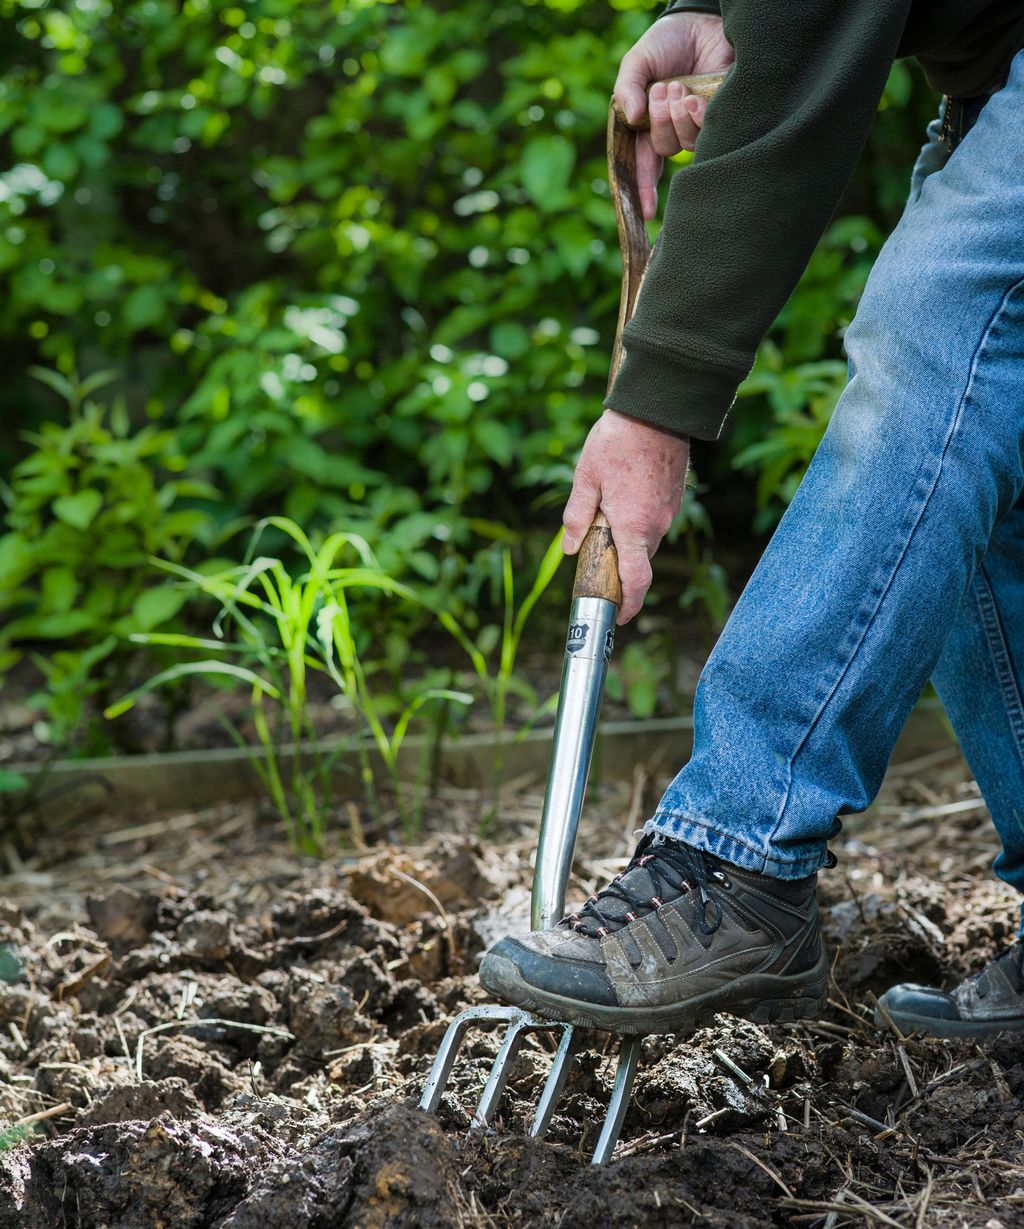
(359, 259)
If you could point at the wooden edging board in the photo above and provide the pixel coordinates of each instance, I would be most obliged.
(200, 778)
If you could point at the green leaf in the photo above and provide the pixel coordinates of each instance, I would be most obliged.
(53, 379)
(155, 606)
(12, 782)
(96, 381)
(78, 510)
(545, 168)
(60, 588)
(60, 162)
(143, 308)
(223, 668)
(51, 627)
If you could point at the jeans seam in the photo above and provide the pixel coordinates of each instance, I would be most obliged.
(954, 423)
(988, 613)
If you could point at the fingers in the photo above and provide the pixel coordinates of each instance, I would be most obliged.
(631, 85)
(580, 511)
(648, 172)
(696, 106)
(634, 575)
(672, 122)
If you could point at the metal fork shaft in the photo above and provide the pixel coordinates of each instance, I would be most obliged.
(587, 650)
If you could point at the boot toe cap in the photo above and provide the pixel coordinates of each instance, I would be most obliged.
(512, 961)
(910, 1001)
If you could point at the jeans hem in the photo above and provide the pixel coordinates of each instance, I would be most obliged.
(729, 848)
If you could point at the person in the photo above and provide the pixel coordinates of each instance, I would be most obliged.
(901, 557)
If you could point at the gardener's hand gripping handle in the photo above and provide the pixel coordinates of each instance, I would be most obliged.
(597, 593)
(629, 215)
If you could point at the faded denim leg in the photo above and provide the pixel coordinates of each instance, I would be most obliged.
(978, 679)
(851, 606)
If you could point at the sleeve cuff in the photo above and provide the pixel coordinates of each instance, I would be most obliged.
(693, 6)
(691, 399)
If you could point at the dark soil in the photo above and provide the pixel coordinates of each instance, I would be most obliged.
(204, 1031)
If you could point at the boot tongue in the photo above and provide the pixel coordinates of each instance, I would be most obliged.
(636, 889)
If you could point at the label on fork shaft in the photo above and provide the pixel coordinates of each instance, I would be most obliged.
(581, 636)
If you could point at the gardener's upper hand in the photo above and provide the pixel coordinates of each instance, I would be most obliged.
(676, 45)
(634, 474)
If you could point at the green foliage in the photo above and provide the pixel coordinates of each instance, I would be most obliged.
(284, 626)
(88, 506)
(356, 261)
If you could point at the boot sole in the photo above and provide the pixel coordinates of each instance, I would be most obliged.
(762, 998)
(935, 1026)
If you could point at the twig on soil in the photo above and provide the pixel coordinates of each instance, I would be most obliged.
(71, 987)
(124, 1041)
(686, 1128)
(909, 767)
(908, 1071)
(307, 940)
(19, 1040)
(850, 1203)
(202, 1021)
(188, 994)
(356, 830)
(646, 1143)
(889, 1022)
(939, 812)
(157, 873)
(761, 1165)
(924, 927)
(926, 1196)
(829, 1028)
(446, 921)
(730, 1066)
(712, 1117)
(53, 1112)
(1005, 1095)
(158, 827)
(833, 1217)
(880, 1128)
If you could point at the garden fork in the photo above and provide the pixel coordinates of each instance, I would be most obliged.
(596, 598)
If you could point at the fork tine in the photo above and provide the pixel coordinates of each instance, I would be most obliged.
(496, 1081)
(555, 1082)
(441, 1069)
(629, 1056)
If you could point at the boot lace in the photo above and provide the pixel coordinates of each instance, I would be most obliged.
(674, 870)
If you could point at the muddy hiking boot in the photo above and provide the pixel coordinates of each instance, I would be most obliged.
(988, 1002)
(676, 937)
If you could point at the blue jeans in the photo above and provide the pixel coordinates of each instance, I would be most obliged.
(901, 557)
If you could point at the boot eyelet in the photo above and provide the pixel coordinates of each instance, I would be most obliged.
(722, 878)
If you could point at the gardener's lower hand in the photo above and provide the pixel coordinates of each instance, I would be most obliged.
(675, 46)
(635, 475)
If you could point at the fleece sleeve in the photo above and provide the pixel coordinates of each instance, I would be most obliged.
(778, 146)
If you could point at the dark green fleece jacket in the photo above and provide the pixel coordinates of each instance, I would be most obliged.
(778, 145)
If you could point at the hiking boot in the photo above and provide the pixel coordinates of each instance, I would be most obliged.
(676, 937)
(988, 1002)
